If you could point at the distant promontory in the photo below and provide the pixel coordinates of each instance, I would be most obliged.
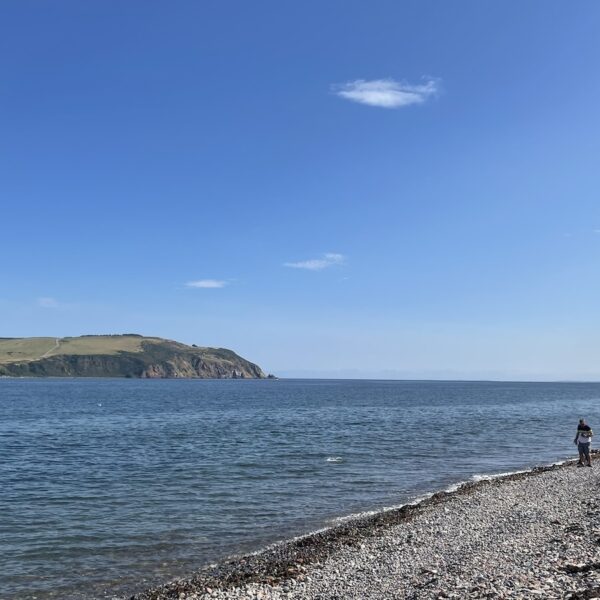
(128, 355)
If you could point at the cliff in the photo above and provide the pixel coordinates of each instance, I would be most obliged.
(119, 356)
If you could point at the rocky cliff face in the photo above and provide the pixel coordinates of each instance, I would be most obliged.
(182, 366)
(163, 359)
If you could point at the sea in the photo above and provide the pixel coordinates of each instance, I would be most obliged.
(111, 486)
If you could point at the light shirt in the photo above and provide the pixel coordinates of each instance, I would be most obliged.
(584, 434)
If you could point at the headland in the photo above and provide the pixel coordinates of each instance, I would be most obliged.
(127, 355)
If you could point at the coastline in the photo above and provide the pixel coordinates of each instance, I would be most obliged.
(322, 564)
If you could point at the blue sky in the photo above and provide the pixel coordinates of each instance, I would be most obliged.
(383, 189)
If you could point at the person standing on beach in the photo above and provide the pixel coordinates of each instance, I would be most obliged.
(583, 439)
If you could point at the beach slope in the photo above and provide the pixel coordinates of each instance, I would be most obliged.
(525, 535)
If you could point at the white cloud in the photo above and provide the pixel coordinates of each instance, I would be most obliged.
(387, 93)
(47, 302)
(206, 283)
(596, 230)
(317, 264)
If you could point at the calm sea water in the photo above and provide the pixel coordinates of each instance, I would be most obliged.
(109, 486)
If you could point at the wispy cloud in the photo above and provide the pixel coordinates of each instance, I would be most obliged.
(206, 283)
(47, 302)
(317, 264)
(597, 231)
(387, 93)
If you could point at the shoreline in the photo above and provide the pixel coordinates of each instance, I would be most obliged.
(278, 570)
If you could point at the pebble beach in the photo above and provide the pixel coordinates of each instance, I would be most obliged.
(534, 534)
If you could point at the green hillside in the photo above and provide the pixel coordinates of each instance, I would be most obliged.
(119, 356)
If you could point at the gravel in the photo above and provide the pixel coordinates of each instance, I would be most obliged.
(526, 535)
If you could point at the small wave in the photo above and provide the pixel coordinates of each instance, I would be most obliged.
(490, 476)
(454, 487)
(334, 459)
(377, 511)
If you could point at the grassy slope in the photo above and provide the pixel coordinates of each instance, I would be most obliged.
(24, 349)
(29, 349)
